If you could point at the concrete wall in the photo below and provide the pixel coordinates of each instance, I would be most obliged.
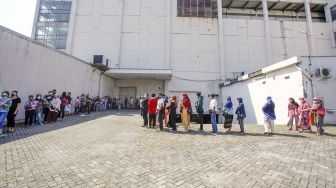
(282, 84)
(147, 34)
(32, 68)
(323, 87)
(255, 91)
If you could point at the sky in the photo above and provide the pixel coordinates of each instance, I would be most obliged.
(18, 15)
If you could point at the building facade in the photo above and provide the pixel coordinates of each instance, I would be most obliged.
(176, 46)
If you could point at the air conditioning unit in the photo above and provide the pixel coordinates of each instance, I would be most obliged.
(100, 61)
(323, 72)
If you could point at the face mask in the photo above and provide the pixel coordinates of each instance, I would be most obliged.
(13, 95)
(3, 95)
(38, 97)
(50, 93)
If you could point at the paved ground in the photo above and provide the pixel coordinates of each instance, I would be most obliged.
(112, 150)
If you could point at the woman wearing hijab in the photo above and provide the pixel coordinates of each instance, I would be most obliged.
(268, 110)
(319, 112)
(172, 106)
(228, 114)
(185, 109)
(241, 115)
(292, 114)
(303, 112)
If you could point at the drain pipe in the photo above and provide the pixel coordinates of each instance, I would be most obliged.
(309, 78)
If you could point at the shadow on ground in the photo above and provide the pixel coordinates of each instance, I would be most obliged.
(25, 132)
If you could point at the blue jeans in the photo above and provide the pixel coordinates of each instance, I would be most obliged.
(319, 124)
(38, 117)
(3, 116)
(213, 122)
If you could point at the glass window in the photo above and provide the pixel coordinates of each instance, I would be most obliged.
(61, 44)
(54, 11)
(45, 5)
(333, 12)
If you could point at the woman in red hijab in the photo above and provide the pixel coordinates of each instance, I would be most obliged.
(185, 109)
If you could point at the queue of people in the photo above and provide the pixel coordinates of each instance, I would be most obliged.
(52, 107)
(302, 115)
(47, 109)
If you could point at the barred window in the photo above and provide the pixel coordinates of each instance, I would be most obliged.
(197, 8)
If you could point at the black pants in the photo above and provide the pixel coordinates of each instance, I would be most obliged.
(161, 116)
(76, 110)
(29, 117)
(200, 119)
(46, 112)
(11, 119)
(172, 122)
(145, 117)
(152, 120)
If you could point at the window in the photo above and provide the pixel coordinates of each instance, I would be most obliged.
(333, 12)
(54, 36)
(197, 8)
(54, 11)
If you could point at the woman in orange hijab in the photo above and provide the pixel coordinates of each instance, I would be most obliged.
(185, 109)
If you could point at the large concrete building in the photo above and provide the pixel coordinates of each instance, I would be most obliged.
(179, 46)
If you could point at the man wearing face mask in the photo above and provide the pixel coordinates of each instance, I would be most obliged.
(13, 110)
(5, 103)
(46, 104)
(39, 109)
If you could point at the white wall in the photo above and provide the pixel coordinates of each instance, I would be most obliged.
(324, 87)
(255, 91)
(32, 68)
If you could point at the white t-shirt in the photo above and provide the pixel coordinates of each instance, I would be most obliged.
(213, 104)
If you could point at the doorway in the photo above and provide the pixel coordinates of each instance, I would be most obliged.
(130, 93)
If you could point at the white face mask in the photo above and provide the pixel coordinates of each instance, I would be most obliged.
(38, 97)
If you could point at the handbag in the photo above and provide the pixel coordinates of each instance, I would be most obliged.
(321, 112)
(189, 111)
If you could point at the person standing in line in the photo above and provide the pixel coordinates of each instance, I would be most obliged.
(303, 112)
(172, 106)
(77, 105)
(140, 106)
(46, 105)
(228, 114)
(144, 107)
(152, 104)
(125, 102)
(68, 106)
(5, 104)
(88, 102)
(200, 109)
(54, 108)
(30, 107)
(64, 103)
(292, 114)
(319, 112)
(241, 114)
(213, 111)
(39, 109)
(131, 102)
(269, 116)
(186, 111)
(13, 110)
(160, 110)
